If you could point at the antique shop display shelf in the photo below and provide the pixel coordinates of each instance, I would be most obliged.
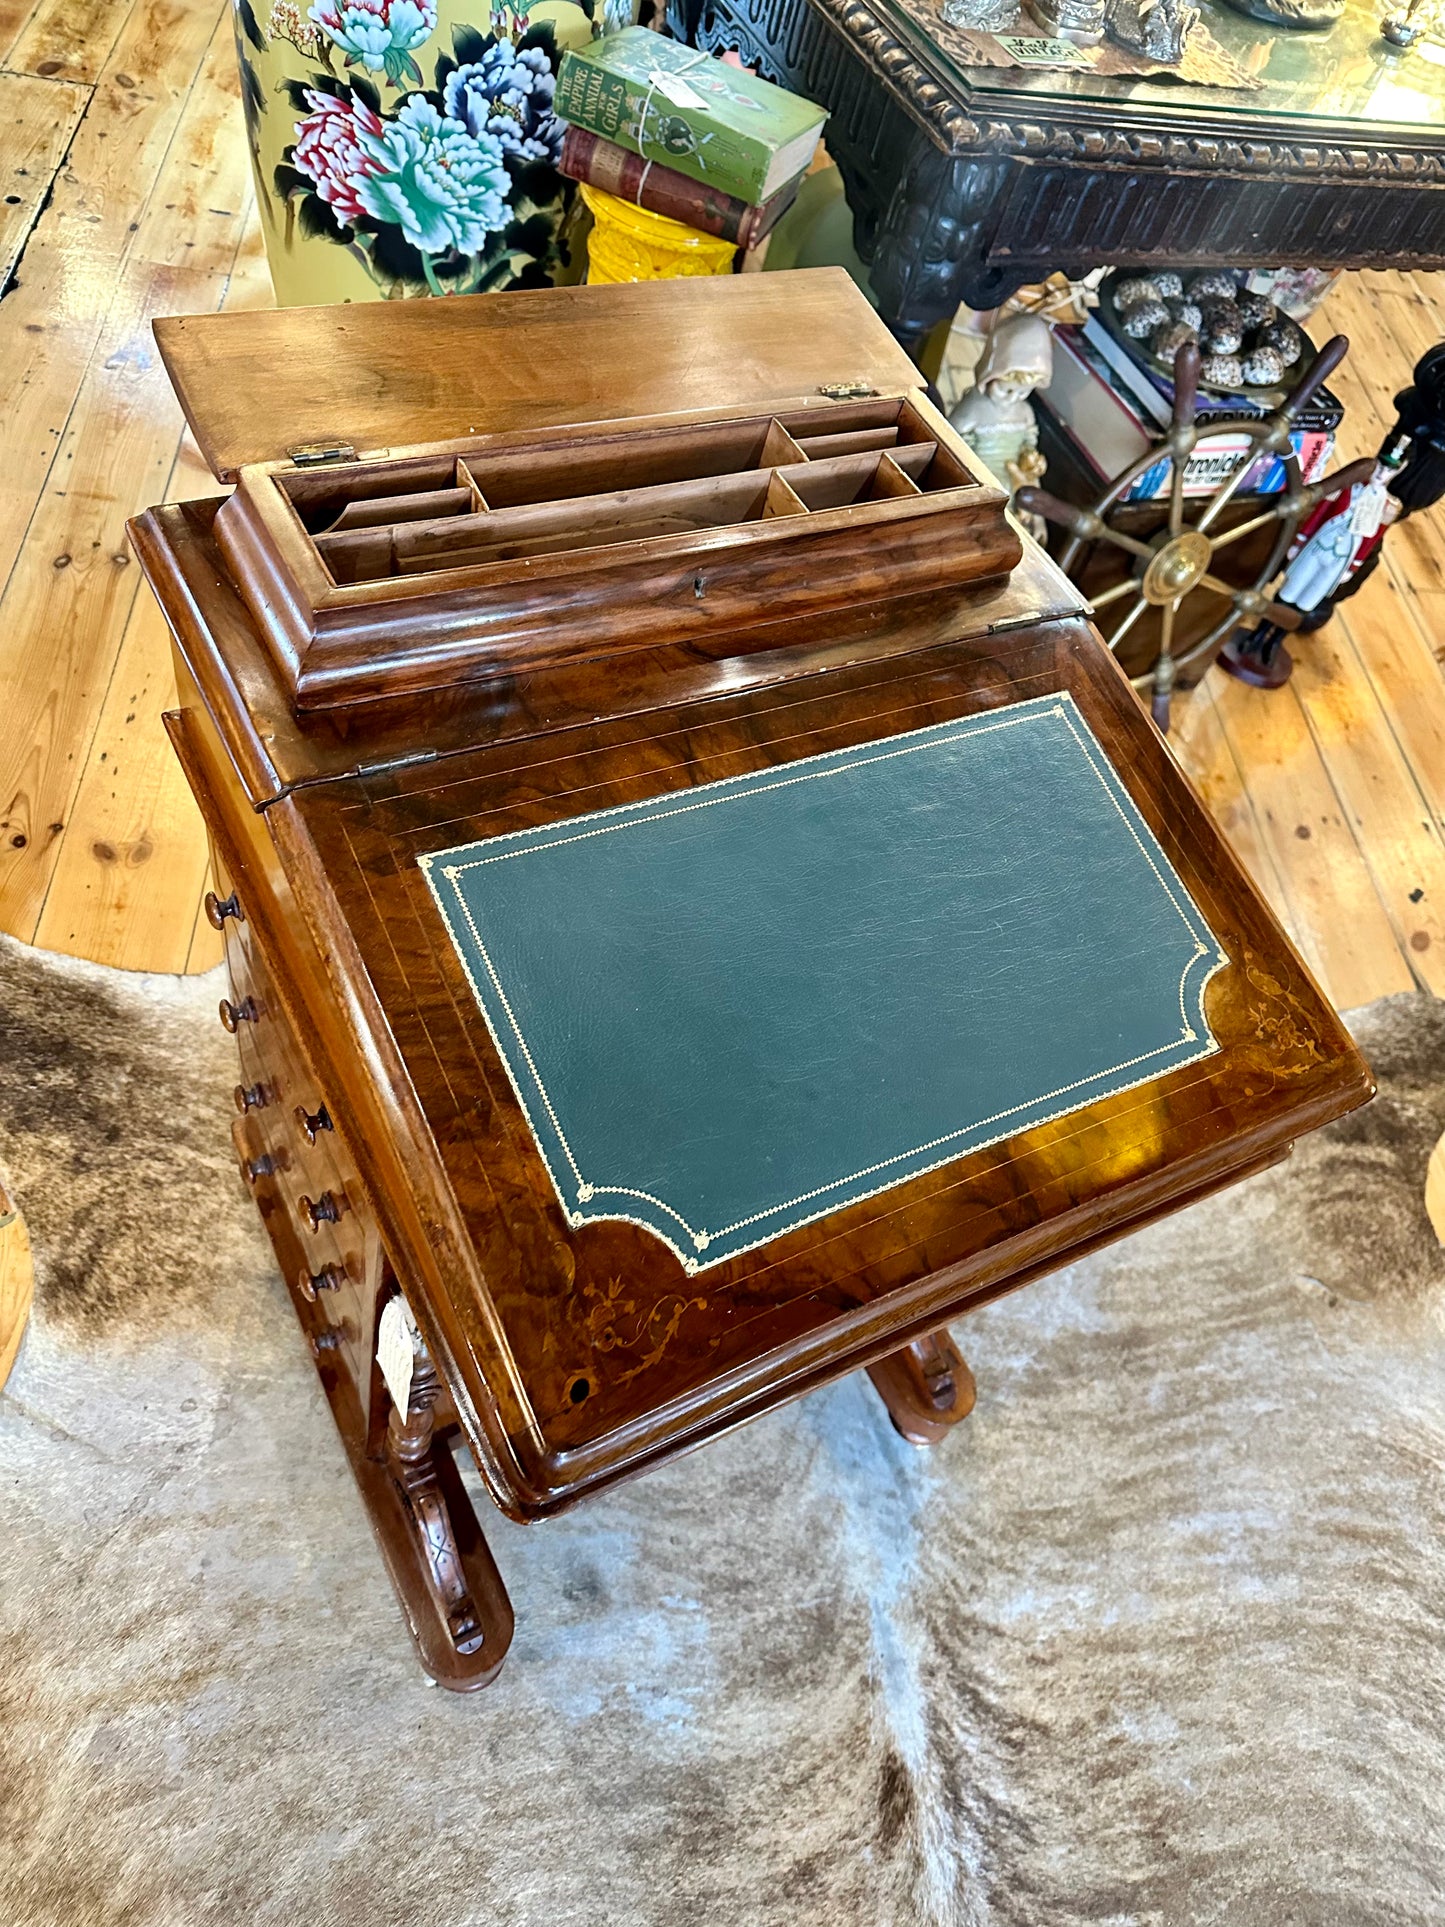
(703, 908)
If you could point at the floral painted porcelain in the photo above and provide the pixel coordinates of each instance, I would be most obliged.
(400, 148)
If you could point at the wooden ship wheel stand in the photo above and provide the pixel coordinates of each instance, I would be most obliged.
(1179, 561)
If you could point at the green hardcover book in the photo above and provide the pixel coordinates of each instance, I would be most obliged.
(689, 111)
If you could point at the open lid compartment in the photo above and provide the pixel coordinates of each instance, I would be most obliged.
(605, 500)
(373, 378)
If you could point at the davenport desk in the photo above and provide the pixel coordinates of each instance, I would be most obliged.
(703, 909)
(967, 182)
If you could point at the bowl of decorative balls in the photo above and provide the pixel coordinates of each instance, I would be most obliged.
(1247, 345)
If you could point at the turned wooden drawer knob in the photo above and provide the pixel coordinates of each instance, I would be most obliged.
(251, 1097)
(262, 1166)
(312, 1123)
(322, 1210)
(232, 1015)
(329, 1278)
(219, 908)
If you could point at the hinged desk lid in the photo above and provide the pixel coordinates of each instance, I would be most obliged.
(391, 374)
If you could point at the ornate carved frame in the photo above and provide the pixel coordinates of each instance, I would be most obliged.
(958, 196)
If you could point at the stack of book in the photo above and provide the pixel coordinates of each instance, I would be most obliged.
(684, 134)
(1110, 409)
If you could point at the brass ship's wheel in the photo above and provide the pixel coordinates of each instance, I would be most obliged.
(1179, 560)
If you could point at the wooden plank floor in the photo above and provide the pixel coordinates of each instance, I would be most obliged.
(127, 195)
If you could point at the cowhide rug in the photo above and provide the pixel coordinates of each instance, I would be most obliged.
(1158, 1637)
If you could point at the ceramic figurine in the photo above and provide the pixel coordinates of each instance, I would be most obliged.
(1411, 467)
(1155, 28)
(995, 417)
(1335, 547)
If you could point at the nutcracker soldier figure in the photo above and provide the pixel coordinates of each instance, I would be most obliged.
(1338, 545)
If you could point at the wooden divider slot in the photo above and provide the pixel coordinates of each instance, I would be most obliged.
(782, 498)
(319, 496)
(834, 483)
(816, 447)
(468, 481)
(539, 528)
(890, 478)
(779, 450)
(370, 552)
(425, 506)
(846, 418)
(387, 571)
(604, 463)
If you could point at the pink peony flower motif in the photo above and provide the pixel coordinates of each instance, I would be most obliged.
(330, 153)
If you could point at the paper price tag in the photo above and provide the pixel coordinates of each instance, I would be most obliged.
(674, 88)
(1368, 512)
(396, 1343)
(1033, 50)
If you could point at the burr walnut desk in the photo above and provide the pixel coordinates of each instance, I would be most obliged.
(703, 909)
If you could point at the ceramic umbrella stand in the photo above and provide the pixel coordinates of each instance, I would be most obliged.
(407, 147)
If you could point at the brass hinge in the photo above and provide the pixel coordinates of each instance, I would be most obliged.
(847, 390)
(313, 454)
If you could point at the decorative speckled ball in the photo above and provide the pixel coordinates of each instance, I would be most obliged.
(1284, 337)
(1143, 318)
(1214, 281)
(1255, 310)
(1261, 368)
(1187, 311)
(1221, 330)
(1128, 294)
(1169, 284)
(1222, 371)
(1168, 341)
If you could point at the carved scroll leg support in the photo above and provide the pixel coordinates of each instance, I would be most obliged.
(927, 1388)
(411, 1453)
(453, 1595)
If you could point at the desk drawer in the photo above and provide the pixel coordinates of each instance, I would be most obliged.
(294, 1158)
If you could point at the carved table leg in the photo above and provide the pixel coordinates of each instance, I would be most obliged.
(411, 1454)
(927, 1388)
(926, 254)
(447, 1584)
(442, 1568)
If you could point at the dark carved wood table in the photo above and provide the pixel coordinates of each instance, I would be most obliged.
(967, 182)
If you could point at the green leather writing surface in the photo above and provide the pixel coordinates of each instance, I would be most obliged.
(730, 1010)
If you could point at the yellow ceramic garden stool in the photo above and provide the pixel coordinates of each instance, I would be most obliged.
(630, 243)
